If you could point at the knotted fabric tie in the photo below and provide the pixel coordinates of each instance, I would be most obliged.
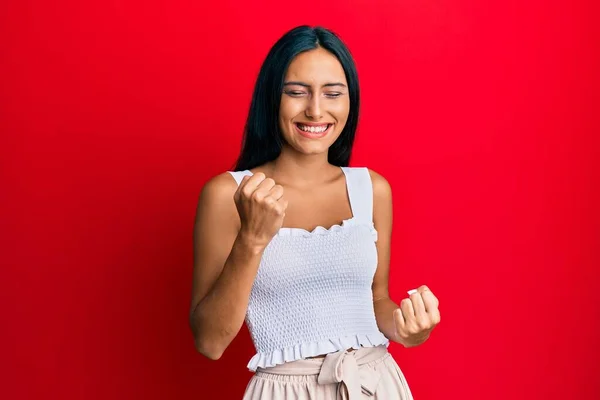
(353, 378)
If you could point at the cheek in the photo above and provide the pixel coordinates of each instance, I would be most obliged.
(341, 110)
(287, 111)
(289, 108)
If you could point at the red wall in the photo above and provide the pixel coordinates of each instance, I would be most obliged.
(482, 115)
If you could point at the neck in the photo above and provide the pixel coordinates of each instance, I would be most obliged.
(301, 169)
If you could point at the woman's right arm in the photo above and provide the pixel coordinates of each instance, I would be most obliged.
(232, 229)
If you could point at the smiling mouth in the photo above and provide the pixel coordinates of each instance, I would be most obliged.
(313, 129)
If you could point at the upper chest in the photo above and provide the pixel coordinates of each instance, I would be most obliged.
(322, 206)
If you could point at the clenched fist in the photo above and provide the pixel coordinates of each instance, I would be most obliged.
(416, 317)
(261, 206)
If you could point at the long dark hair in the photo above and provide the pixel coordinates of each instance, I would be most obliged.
(262, 140)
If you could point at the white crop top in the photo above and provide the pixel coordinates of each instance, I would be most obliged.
(312, 293)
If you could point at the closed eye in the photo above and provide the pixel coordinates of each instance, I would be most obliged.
(299, 93)
(295, 93)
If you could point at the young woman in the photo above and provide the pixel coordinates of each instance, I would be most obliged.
(297, 244)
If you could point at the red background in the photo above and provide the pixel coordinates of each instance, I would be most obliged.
(482, 115)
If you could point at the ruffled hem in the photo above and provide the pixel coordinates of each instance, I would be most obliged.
(320, 230)
(304, 350)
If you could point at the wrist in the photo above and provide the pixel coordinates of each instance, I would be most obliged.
(249, 243)
(413, 341)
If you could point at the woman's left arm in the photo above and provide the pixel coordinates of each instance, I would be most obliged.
(412, 322)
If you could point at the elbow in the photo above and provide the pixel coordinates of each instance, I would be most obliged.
(208, 346)
(202, 343)
(211, 343)
(208, 350)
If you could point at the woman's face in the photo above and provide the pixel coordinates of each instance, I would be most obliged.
(315, 102)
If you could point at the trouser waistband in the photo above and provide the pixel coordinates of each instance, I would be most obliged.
(351, 370)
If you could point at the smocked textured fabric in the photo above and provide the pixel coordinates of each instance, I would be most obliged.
(312, 293)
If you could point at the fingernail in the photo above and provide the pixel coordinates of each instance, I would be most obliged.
(412, 291)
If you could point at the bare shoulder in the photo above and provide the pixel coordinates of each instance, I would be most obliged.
(219, 187)
(216, 197)
(382, 190)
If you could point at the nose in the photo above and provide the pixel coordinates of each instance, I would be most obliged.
(313, 109)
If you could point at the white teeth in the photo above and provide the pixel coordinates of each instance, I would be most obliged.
(319, 129)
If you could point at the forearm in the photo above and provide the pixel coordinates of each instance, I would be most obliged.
(384, 315)
(217, 319)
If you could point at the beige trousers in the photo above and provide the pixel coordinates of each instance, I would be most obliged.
(367, 373)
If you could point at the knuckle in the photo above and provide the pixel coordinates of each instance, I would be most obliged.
(247, 193)
(424, 325)
(256, 195)
(414, 329)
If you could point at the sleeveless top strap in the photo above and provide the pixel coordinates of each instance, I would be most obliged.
(359, 187)
(238, 175)
(360, 192)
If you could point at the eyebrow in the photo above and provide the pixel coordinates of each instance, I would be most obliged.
(308, 86)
